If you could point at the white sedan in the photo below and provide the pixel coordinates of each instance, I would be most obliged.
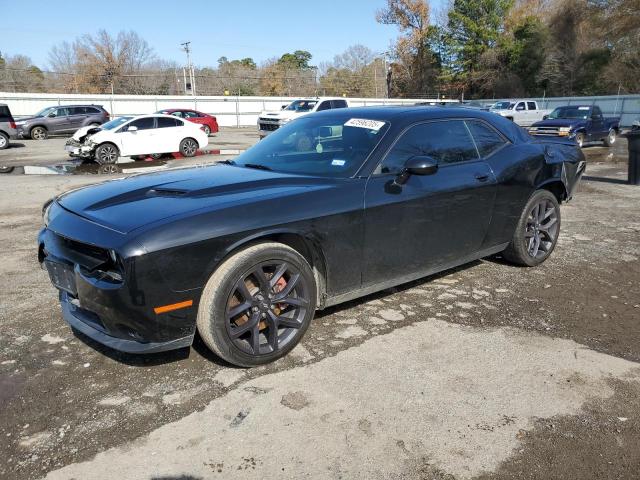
(132, 136)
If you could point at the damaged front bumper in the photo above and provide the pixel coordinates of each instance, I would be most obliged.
(77, 149)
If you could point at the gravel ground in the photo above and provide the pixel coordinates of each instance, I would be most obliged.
(486, 371)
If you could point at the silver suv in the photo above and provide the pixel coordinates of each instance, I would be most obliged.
(7, 126)
(61, 119)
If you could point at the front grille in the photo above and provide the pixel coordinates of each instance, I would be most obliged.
(545, 131)
(267, 119)
(270, 127)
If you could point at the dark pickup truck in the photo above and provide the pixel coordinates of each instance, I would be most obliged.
(584, 123)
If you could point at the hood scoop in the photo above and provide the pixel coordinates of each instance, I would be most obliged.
(166, 192)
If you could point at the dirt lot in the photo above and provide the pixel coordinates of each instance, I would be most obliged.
(487, 371)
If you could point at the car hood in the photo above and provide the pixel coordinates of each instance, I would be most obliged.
(130, 203)
(559, 122)
(26, 119)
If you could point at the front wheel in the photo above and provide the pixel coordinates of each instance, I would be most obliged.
(537, 231)
(580, 139)
(611, 138)
(106, 154)
(39, 133)
(188, 147)
(257, 305)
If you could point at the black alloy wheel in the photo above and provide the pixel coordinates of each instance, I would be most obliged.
(257, 305)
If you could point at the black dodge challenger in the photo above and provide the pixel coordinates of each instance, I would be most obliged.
(332, 206)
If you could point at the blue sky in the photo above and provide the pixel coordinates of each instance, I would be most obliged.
(260, 29)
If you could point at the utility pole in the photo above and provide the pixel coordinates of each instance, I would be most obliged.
(186, 46)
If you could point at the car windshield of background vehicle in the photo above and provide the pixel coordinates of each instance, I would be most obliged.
(301, 106)
(329, 146)
(570, 112)
(115, 123)
(45, 112)
(502, 105)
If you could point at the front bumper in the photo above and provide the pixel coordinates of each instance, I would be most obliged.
(82, 151)
(117, 312)
(84, 322)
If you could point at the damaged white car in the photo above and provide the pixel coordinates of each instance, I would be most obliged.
(134, 136)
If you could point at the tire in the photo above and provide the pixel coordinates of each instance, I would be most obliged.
(4, 141)
(38, 133)
(246, 329)
(107, 153)
(611, 138)
(580, 137)
(207, 130)
(539, 224)
(188, 147)
(5, 169)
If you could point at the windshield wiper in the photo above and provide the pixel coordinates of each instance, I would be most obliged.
(227, 162)
(257, 166)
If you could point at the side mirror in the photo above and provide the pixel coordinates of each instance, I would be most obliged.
(283, 107)
(418, 165)
(545, 117)
(132, 128)
(51, 114)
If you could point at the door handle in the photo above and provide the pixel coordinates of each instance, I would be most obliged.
(482, 177)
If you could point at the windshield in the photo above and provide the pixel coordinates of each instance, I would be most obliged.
(45, 112)
(328, 146)
(115, 123)
(571, 112)
(301, 105)
(502, 105)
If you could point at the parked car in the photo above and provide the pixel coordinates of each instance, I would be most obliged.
(583, 123)
(522, 112)
(245, 252)
(209, 122)
(132, 136)
(270, 121)
(61, 119)
(8, 129)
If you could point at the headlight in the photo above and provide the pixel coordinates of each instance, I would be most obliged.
(46, 209)
(282, 121)
(565, 129)
(19, 124)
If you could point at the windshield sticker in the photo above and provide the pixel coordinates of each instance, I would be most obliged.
(338, 163)
(584, 108)
(374, 125)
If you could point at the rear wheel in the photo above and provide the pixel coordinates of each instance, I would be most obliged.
(39, 133)
(107, 153)
(188, 147)
(537, 231)
(257, 305)
(4, 141)
(611, 138)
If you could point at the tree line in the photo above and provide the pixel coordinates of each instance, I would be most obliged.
(475, 49)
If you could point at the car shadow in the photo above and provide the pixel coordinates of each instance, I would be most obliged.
(617, 181)
(15, 145)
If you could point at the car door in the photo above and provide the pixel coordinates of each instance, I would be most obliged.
(168, 134)
(532, 113)
(58, 121)
(432, 220)
(193, 117)
(598, 128)
(140, 141)
(520, 113)
(77, 116)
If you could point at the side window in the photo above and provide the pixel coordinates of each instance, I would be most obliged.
(339, 103)
(445, 141)
(167, 122)
(531, 105)
(91, 110)
(597, 112)
(62, 112)
(178, 113)
(520, 106)
(487, 139)
(190, 114)
(142, 123)
(326, 105)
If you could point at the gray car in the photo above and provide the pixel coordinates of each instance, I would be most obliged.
(61, 119)
(7, 126)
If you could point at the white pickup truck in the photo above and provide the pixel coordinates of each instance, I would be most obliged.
(522, 112)
(271, 121)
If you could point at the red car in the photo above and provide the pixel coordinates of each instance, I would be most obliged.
(209, 122)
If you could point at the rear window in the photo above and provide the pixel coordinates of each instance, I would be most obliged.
(487, 139)
(5, 114)
(164, 122)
